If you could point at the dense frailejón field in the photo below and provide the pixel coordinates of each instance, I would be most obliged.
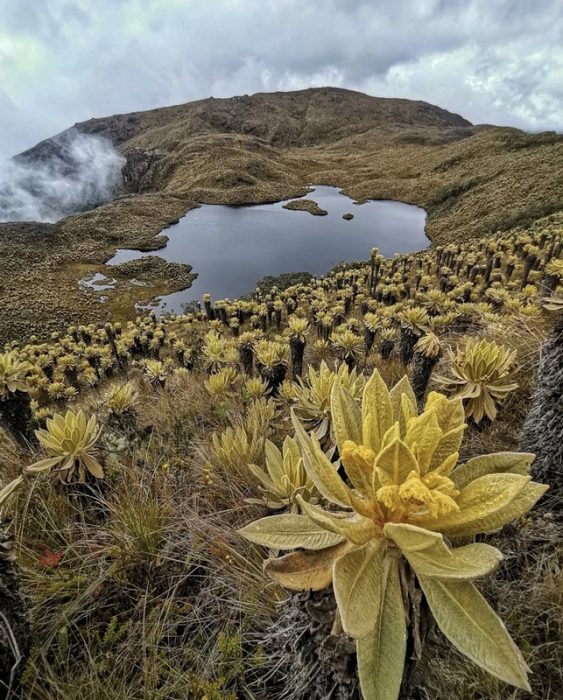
(159, 440)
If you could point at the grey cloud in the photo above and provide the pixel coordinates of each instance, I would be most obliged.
(68, 60)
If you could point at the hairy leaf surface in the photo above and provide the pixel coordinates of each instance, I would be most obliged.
(289, 531)
(429, 555)
(471, 625)
(377, 412)
(321, 470)
(381, 654)
(304, 571)
(496, 463)
(357, 579)
(346, 415)
(487, 504)
(354, 527)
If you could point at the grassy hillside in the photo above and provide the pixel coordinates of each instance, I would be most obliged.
(135, 578)
(473, 180)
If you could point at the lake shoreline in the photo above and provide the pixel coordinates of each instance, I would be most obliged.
(313, 244)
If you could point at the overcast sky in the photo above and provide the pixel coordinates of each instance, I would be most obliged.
(63, 61)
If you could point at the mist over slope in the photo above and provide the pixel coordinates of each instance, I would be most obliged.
(74, 172)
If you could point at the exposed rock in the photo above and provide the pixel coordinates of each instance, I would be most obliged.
(136, 171)
(348, 216)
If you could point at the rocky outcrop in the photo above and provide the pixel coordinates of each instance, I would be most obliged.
(137, 172)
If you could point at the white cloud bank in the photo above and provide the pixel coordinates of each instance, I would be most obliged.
(82, 175)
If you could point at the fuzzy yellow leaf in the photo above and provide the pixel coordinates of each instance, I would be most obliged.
(429, 555)
(7, 490)
(358, 463)
(496, 463)
(449, 412)
(346, 415)
(449, 443)
(304, 571)
(367, 508)
(291, 450)
(402, 388)
(356, 579)
(408, 411)
(425, 432)
(354, 527)
(381, 653)
(321, 470)
(289, 531)
(274, 462)
(93, 466)
(44, 464)
(471, 625)
(488, 503)
(48, 441)
(377, 412)
(262, 477)
(394, 433)
(526, 499)
(394, 464)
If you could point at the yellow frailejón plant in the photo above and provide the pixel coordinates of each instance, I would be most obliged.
(122, 399)
(312, 397)
(481, 377)
(404, 498)
(286, 477)
(70, 441)
(13, 374)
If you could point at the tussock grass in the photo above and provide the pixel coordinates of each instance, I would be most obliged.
(150, 593)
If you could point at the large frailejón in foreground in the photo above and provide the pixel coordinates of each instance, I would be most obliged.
(402, 501)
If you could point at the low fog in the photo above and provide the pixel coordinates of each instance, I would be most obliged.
(80, 173)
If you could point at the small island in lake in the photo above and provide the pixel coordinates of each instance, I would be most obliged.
(305, 205)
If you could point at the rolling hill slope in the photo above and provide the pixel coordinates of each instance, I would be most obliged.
(473, 180)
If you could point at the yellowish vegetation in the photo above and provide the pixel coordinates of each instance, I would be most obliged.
(70, 441)
(405, 496)
(145, 589)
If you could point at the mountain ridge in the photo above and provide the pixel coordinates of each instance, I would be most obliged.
(212, 114)
(472, 181)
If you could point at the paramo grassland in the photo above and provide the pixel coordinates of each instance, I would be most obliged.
(203, 505)
(473, 181)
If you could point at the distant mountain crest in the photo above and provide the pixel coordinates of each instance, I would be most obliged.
(284, 119)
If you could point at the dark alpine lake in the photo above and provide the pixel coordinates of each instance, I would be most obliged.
(231, 248)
